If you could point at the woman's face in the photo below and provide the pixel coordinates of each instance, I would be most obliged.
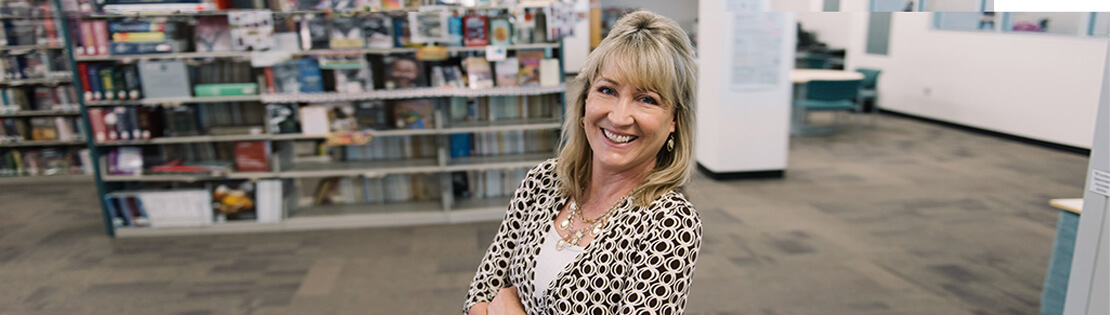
(626, 126)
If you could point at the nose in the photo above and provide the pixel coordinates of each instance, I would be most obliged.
(621, 115)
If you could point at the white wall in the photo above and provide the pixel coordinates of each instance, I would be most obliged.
(1038, 86)
(831, 28)
(683, 12)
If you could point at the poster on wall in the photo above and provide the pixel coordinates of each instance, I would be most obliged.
(756, 57)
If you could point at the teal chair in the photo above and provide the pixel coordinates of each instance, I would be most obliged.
(868, 90)
(826, 96)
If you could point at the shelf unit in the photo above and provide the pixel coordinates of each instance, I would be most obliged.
(52, 77)
(444, 209)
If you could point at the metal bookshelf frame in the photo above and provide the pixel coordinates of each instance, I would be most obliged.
(444, 210)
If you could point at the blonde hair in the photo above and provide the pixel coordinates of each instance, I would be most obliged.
(652, 53)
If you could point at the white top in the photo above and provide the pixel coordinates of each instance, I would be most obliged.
(799, 76)
(550, 262)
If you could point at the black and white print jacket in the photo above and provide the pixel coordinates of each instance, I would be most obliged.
(641, 263)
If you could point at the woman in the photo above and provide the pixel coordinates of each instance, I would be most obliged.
(604, 228)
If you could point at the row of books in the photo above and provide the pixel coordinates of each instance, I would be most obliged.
(122, 123)
(503, 142)
(59, 98)
(240, 156)
(215, 202)
(44, 162)
(34, 65)
(487, 184)
(40, 129)
(279, 5)
(411, 187)
(38, 29)
(262, 30)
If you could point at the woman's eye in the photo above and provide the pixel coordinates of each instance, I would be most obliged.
(606, 90)
(648, 100)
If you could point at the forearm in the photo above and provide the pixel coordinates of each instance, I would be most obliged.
(479, 309)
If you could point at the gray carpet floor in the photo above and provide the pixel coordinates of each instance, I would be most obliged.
(905, 218)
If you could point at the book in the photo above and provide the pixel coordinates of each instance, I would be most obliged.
(234, 200)
(164, 79)
(371, 115)
(402, 34)
(454, 30)
(125, 161)
(311, 80)
(96, 119)
(346, 32)
(475, 30)
(378, 29)
(314, 120)
(413, 114)
(500, 31)
(403, 71)
(549, 72)
(212, 33)
(478, 73)
(314, 33)
(353, 80)
(252, 156)
(251, 30)
(282, 118)
(226, 89)
(286, 77)
(529, 66)
(506, 71)
(428, 27)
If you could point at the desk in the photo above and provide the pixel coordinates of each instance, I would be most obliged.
(1055, 289)
(1074, 205)
(800, 77)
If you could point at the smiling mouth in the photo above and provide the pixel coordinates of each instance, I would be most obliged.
(617, 138)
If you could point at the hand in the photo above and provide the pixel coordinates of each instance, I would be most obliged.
(506, 302)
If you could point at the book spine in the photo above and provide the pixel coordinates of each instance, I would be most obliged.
(100, 28)
(136, 27)
(138, 37)
(94, 82)
(127, 48)
(96, 118)
(131, 77)
(104, 73)
(88, 41)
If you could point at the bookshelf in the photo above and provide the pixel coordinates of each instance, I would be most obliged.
(351, 151)
(41, 130)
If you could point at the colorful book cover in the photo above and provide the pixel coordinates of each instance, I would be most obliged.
(354, 80)
(478, 73)
(378, 29)
(212, 33)
(402, 34)
(252, 156)
(403, 71)
(506, 71)
(346, 32)
(287, 77)
(413, 114)
(530, 66)
(311, 79)
(282, 118)
(251, 30)
(500, 31)
(475, 30)
(428, 27)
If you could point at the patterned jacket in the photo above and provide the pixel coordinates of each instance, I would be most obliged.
(641, 263)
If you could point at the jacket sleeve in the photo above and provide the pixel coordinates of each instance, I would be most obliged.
(493, 272)
(662, 263)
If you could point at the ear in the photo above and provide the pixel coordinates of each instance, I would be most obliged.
(672, 125)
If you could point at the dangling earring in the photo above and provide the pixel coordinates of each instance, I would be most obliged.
(670, 143)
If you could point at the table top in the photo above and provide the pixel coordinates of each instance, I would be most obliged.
(1073, 204)
(799, 76)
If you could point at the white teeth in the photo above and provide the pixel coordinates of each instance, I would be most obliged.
(616, 138)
